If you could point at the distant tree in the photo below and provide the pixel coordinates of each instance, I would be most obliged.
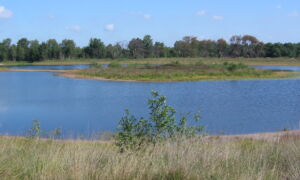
(222, 48)
(249, 40)
(170, 52)
(249, 46)
(289, 50)
(114, 51)
(159, 50)
(183, 48)
(34, 51)
(4, 49)
(273, 50)
(96, 49)
(12, 53)
(44, 51)
(53, 49)
(148, 46)
(298, 49)
(78, 53)
(236, 46)
(68, 48)
(22, 49)
(137, 48)
(259, 49)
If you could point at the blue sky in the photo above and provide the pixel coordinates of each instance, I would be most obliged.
(165, 20)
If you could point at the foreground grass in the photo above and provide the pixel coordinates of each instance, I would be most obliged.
(200, 158)
(181, 72)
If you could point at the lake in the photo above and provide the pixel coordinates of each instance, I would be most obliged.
(52, 67)
(85, 107)
(284, 68)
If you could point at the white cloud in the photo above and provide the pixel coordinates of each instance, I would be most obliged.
(141, 14)
(294, 14)
(218, 18)
(5, 13)
(75, 28)
(279, 6)
(147, 16)
(109, 27)
(201, 13)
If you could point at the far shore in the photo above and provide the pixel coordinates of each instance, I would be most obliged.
(249, 61)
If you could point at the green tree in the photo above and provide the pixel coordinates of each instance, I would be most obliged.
(96, 49)
(222, 48)
(22, 49)
(148, 46)
(12, 53)
(113, 51)
(159, 49)
(4, 49)
(44, 51)
(53, 49)
(137, 48)
(236, 46)
(68, 48)
(34, 51)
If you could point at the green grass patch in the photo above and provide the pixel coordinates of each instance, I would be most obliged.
(177, 71)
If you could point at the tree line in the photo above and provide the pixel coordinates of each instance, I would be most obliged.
(238, 46)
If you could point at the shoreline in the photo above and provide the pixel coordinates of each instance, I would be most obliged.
(85, 77)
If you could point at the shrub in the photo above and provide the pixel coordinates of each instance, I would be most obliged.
(35, 130)
(233, 67)
(199, 62)
(95, 65)
(114, 65)
(176, 63)
(162, 124)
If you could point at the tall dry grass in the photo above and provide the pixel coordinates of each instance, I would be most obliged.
(201, 158)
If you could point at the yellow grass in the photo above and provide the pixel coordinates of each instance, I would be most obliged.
(199, 158)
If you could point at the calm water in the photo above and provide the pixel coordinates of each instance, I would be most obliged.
(82, 107)
(285, 68)
(52, 67)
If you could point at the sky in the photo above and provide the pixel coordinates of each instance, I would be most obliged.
(165, 20)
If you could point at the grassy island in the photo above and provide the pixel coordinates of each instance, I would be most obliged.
(177, 71)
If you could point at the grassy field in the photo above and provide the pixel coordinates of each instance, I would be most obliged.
(199, 158)
(177, 71)
(249, 61)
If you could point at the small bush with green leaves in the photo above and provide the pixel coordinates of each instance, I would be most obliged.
(162, 124)
(35, 130)
(95, 65)
(233, 66)
(114, 65)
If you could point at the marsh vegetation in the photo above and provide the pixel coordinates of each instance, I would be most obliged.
(176, 71)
